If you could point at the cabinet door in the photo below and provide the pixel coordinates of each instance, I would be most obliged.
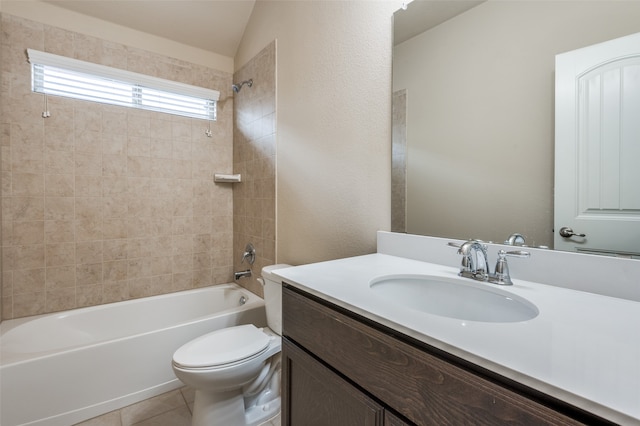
(313, 395)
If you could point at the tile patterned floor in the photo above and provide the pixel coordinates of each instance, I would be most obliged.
(169, 409)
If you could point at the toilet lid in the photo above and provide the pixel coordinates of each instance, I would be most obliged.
(222, 347)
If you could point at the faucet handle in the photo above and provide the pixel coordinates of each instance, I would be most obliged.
(249, 254)
(501, 275)
(516, 253)
(467, 262)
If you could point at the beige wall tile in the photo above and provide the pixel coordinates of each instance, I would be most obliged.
(115, 249)
(60, 254)
(59, 208)
(114, 142)
(89, 141)
(60, 299)
(27, 281)
(58, 162)
(140, 287)
(115, 291)
(26, 233)
(27, 159)
(29, 257)
(27, 304)
(27, 184)
(114, 271)
(59, 185)
(89, 229)
(60, 277)
(57, 231)
(89, 252)
(88, 274)
(89, 295)
(88, 163)
(88, 186)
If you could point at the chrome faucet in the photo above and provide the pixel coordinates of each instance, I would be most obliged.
(242, 274)
(515, 239)
(474, 260)
(475, 264)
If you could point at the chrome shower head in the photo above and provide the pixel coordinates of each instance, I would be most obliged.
(236, 87)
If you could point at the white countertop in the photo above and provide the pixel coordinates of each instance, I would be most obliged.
(582, 348)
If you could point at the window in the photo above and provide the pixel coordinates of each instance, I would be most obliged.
(61, 76)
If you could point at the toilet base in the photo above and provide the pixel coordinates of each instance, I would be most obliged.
(261, 413)
(227, 408)
(218, 408)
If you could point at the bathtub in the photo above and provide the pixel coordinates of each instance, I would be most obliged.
(63, 368)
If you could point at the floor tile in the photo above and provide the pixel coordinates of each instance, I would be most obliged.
(152, 407)
(109, 419)
(170, 409)
(177, 417)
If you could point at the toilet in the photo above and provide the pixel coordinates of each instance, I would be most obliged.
(235, 371)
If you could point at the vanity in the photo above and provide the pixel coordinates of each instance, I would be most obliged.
(355, 355)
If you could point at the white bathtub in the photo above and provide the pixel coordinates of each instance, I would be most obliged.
(63, 368)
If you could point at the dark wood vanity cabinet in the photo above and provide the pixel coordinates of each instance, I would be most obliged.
(317, 396)
(342, 370)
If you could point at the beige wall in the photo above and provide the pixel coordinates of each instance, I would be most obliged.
(481, 113)
(102, 203)
(333, 123)
(254, 157)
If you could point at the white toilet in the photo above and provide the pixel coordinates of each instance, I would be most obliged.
(235, 371)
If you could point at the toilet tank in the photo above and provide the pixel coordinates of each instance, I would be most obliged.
(273, 297)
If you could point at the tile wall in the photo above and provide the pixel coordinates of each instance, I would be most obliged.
(254, 156)
(103, 203)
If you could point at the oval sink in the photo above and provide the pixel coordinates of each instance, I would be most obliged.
(453, 298)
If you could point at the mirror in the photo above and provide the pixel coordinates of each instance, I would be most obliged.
(474, 112)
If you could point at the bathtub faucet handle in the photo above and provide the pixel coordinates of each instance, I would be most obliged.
(249, 254)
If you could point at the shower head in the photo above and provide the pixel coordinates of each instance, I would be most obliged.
(236, 87)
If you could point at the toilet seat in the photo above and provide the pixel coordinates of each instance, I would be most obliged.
(222, 347)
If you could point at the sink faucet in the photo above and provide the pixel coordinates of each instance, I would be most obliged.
(475, 264)
(474, 260)
(515, 239)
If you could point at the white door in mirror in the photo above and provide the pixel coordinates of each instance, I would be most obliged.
(597, 195)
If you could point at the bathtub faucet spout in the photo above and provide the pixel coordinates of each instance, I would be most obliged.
(242, 274)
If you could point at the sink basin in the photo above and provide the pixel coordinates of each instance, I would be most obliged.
(453, 298)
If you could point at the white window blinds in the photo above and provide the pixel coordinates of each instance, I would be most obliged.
(62, 76)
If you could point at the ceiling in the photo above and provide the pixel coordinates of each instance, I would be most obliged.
(218, 25)
(213, 25)
(422, 15)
